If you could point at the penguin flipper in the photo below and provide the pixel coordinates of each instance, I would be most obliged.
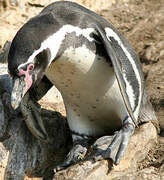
(31, 110)
(119, 70)
(117, 50)
(41, 89)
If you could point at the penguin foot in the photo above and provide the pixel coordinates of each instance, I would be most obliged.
(113, 147)
(76, 154)
(106, 147)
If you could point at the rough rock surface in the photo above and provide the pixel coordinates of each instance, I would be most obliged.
(141, 142)
(23, 155)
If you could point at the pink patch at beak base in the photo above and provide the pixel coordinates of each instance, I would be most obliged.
(28, 77)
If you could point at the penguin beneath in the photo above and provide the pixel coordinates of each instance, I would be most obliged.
(92, 65)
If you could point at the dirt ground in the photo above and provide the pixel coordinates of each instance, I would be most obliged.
(142, 23)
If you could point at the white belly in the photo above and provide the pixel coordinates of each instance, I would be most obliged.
(93, 102)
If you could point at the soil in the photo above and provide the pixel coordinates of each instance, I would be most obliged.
(142, 23)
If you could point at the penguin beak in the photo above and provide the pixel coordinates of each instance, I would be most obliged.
(21, 84)
(18, 91)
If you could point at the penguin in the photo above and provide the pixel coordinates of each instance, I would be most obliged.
(95, 69)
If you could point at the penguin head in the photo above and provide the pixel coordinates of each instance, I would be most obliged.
(26, 65)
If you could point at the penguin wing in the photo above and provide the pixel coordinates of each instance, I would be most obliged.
(41, 89)
(115, 52)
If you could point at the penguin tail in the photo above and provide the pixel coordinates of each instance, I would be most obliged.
(147, 112)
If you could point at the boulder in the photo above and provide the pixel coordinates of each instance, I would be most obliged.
(144, 138)
(22, 155)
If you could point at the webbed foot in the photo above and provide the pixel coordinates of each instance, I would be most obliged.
(106, 147)
(76, 154)
(113, 147)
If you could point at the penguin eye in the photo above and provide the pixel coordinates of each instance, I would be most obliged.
(30, 67)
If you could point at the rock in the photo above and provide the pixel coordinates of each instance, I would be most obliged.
(29, 156)
(14, 2)
(144, 138)
(162, 171)
(5, 51)
(3, 160)
(3, 69)
(5, 108)
(21, 154)
(96, 5)
(156, 89)
(146, 174)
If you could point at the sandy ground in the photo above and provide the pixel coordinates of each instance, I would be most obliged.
(142, 22)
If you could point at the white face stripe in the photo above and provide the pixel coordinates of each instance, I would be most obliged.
(129, 89)
(54, 41)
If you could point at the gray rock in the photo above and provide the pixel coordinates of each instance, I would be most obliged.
(4, 52)
(5, 108)
(21, 154)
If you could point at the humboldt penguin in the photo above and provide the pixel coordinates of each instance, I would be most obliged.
(92, 65)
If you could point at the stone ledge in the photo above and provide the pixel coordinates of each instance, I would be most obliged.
(144, 138)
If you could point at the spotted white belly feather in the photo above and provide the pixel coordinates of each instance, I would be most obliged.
(90, 91)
